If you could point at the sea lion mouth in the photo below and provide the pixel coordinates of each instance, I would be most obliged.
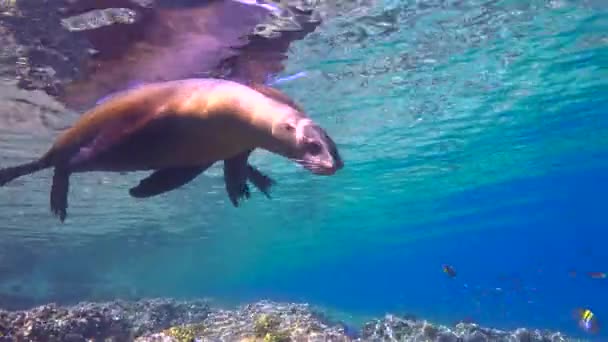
(323, 168)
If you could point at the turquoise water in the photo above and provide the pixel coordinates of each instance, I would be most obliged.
(474, 133)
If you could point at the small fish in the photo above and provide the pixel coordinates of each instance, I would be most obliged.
(587, 320)
(597, 275)
(449, 270)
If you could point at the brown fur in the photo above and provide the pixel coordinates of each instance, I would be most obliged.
(190, 122)
(275, 94)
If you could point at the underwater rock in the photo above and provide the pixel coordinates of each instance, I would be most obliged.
(99, 18)
(263, 321)
(117, 321)
(393, 328)
(36, 50)
(269, 321)
(167, 320)
(78, 51)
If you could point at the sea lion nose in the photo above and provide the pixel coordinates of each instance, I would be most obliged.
(328, 164)
(330, 167)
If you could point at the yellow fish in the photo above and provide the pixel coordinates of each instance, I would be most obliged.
(587, 320)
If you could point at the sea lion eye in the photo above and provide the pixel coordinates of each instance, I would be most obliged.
(314, 148)
(289, 127)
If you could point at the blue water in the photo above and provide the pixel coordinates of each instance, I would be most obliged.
(474, 133)
(537, 243)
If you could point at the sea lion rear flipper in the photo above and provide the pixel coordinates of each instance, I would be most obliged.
(164, 180)
(9, 174)
(236, 173)
(59, 193)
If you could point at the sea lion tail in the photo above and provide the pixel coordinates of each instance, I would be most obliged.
(10, 173)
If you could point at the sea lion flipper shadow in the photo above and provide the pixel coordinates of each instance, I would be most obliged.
(164, 180)
(237, 171)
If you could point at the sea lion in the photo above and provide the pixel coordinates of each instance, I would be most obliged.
(237, 170)
(179, 129)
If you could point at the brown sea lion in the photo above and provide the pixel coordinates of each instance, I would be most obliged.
(237, 170)
(179, 129)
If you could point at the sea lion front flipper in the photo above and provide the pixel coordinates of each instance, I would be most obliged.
(164, 180)
(236, 173)
(235, 177)
(260, 180)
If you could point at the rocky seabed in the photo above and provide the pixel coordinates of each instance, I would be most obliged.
(167, 320)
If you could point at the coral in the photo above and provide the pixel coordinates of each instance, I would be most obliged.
(119, 320)
(186, 333)
(266, 323)
(277, 336)
(268, 327)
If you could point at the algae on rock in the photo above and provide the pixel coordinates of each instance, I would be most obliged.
(267, 326)
(185, 333)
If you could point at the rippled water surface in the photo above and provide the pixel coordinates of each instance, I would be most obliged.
(462, 124)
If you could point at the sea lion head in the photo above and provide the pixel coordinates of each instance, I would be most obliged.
(308, 144)
(288, 131)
